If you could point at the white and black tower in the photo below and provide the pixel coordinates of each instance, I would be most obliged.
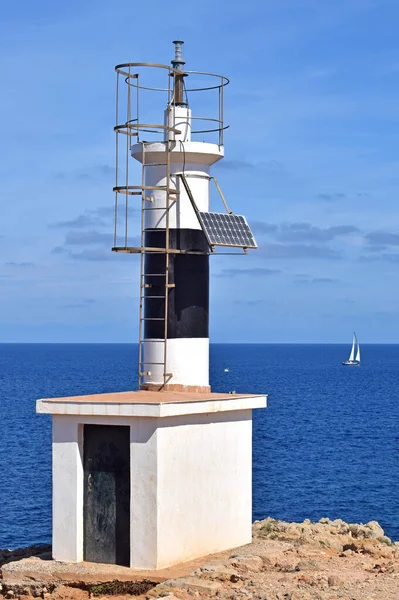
(178, 231)
(160, 475)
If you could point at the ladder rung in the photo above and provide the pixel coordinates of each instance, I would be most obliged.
(156, 208)
(152, 341)
(153, 275)
(152, 318)
(168, 374)
(145, 362)
(144, 297)
(159, 188)
(171, 285)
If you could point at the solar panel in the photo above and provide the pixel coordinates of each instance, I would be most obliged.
(224, 229)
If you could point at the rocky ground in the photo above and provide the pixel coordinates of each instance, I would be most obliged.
(327, 560)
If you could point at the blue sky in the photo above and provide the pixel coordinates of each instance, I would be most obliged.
(311, 160)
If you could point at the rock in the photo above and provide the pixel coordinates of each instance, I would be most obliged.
(375, 548)
(306, 565)
(332, 542)
(64, 592)
(192, 583)
(385, 540)
(224, 575)
(207, 569)
(11, 555)
(375, 529)
(337, 523)
(247, 563)
(334, 581)
(286, 566)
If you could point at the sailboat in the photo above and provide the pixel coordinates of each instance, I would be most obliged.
(353, 362)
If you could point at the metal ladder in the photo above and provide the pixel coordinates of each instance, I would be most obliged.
(144, 366)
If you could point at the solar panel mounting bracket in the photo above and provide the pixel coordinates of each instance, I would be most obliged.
(195, 207)
(222, 229)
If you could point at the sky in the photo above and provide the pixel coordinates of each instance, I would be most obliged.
(311, 159)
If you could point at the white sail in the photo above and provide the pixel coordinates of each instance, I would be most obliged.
(352, 355)
(358, 352)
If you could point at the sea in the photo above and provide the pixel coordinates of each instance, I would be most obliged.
(326, 446)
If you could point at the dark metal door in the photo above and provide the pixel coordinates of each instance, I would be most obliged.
(106, 504)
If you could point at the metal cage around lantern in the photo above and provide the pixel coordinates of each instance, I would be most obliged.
(135, 102)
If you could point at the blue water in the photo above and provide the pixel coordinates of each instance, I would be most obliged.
(328, 444)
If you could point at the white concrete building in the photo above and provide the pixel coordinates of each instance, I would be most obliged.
(187, 488)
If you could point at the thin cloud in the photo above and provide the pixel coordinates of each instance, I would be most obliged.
(80, 222)
(93, 255)
(59, 250)
(301, 232)
(262, 271)
(386, 256)
(85, 303)
(383, 238)
(102, 216)
(79, 238)
(234, 165)
(376, 248)
(317, 280)
(263, 228)
(89, 254)
(88, 174)
(19, 265)
(305, 232)
(249, 302)
(272, 166)
(297, 251)
(331, 197)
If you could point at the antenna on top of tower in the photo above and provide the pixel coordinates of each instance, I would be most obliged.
(178, 62)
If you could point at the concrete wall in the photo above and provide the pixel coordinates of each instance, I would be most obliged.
(204, 485)
(67, 489)
(190, 485)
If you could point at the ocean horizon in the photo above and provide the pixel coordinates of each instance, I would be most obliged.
(326, 446)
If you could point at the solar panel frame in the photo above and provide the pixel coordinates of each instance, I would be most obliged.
(227, 229)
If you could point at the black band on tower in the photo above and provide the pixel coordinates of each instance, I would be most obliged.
(188, 306)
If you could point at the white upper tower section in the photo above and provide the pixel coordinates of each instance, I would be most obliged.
(190, 158)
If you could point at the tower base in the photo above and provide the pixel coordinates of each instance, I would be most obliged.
(150, 479)
(176, 387)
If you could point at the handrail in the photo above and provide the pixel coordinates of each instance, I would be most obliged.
(143, 126)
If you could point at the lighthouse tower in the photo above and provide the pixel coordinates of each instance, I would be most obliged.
(183, 280)
(177, 228)
(160, 475)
